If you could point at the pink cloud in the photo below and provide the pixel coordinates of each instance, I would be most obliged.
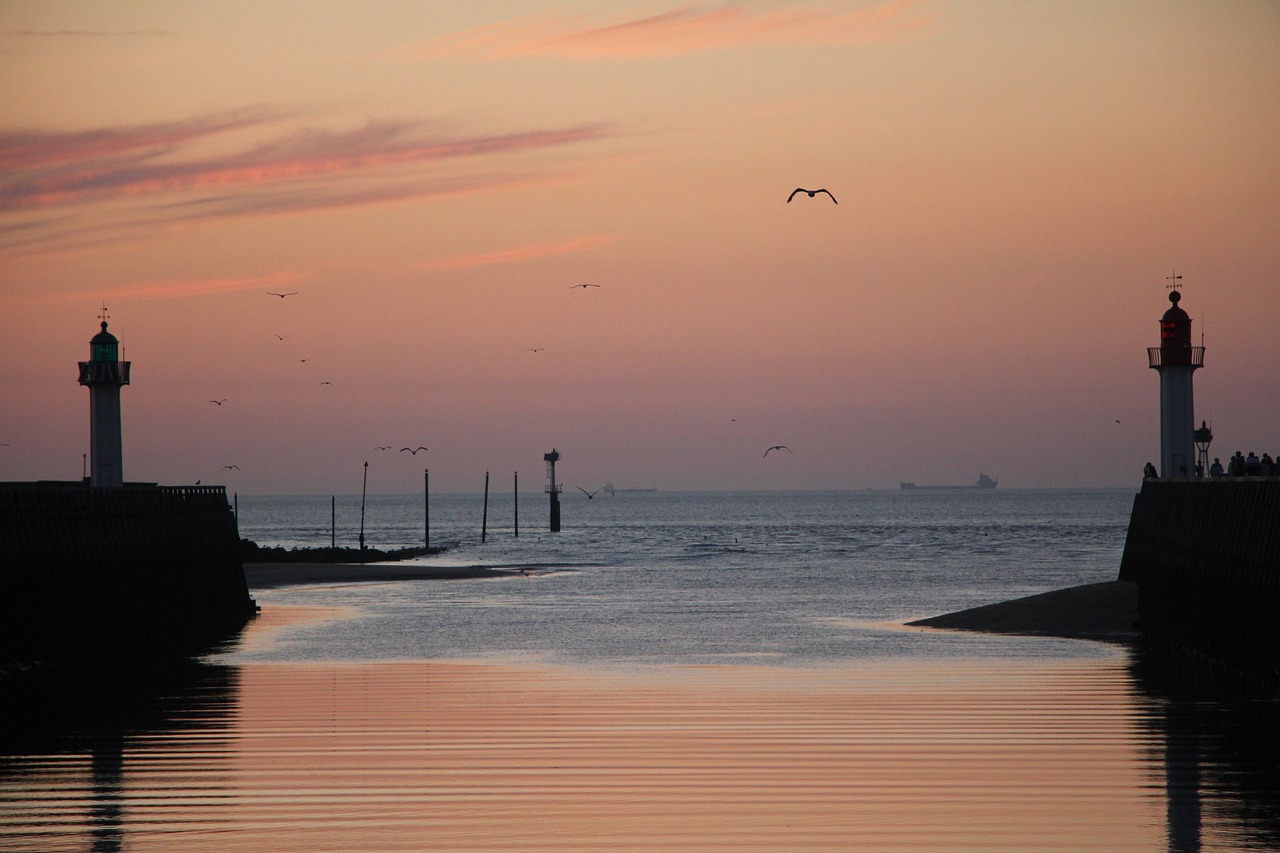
(185, 288)
(683, 30)
(39, 150)
(517, 253)
(135, 168)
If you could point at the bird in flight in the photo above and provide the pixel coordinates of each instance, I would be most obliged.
(589, 495)
(283, 295)
(575, 286)
(304, 359)
(383, 447)
(413, 450)
(280, 337)
(326, 382)
(536, 349)
(229, 467)
(779, 447)
(811, 193)
(219, 402)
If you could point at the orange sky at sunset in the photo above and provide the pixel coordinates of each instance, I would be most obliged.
(1015, 181)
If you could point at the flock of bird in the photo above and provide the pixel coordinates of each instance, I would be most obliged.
(415, 450)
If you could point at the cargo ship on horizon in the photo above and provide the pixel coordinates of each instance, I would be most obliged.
(612, 490)
(984, 482)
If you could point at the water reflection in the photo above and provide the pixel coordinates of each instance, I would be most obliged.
(77, 741)
(410, 755)
(1221, 759)
(106, 816)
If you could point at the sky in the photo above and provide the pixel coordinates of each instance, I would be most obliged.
(1011, 184)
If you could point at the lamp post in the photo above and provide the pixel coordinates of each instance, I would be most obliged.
(1203, 437)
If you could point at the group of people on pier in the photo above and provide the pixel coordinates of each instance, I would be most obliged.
(1238, 465)
(1244, 466)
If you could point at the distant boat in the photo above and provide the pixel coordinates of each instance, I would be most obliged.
(612, 490)
(984, 482)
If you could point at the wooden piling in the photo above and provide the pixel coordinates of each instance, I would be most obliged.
(484, 518)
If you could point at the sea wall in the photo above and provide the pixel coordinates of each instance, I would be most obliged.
(1205, 554)
(139, 570)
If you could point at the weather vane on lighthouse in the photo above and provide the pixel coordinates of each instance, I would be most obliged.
(1174, 280)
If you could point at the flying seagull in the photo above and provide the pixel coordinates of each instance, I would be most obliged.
(575, 286)
(383, 447)
(283, 295)
(779, 447)
(229, 467)
(326, 382)
(589, 495)
(281, 337)
(811, 193)
(535, 349)
(219, 402)
(413, 450)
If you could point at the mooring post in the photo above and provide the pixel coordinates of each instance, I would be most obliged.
(363, 490)
(515, 491)
(426, 507)
(484, 518)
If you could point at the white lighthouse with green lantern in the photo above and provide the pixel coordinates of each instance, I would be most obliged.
(105, 374)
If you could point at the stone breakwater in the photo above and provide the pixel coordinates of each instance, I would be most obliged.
(1205, 555)
(137, 571)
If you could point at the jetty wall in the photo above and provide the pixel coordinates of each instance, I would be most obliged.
(134, 571)
(1205, 554)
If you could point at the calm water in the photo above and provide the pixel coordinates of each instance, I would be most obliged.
(797, 578)
(673, 672)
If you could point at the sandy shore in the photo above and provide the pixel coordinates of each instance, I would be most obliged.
(272, 575)
(1097, 611)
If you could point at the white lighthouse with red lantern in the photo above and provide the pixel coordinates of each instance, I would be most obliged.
(1175, 360)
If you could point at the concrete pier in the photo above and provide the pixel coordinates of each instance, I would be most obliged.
(138, 570)
(1205, 554)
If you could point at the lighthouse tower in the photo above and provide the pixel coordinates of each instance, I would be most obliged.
(105, 374)
(1175, 360)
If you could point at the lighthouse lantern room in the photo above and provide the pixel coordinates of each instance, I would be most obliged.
(105, 374)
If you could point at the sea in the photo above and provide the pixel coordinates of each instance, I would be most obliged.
(668, 671)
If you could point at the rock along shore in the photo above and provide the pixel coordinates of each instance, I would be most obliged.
(1106, 611)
